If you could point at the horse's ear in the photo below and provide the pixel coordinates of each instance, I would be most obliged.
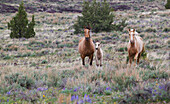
(128, 29)
(134, 30)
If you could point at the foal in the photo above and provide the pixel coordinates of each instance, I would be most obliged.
(86, 46)
(135, 46)
(98, 54)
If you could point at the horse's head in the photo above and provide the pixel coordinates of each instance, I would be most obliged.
(87, 33)
(132, 33)
(97, 45)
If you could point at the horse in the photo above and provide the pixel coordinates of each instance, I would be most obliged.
(135, 46)
(98, 54)
(86, 46)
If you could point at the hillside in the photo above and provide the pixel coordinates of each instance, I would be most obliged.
(48, 69)
(53, 6)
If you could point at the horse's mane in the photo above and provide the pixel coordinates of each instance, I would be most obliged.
(87, 28)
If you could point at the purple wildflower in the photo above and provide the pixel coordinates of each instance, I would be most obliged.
(108, 88)
(89, 100)
(64, 88)
(9, 93)
(7, 100)
(160, 87)
(85, 95)
(75, 89)
(77, 97)
(42, 89)
(73, 97)
(81, 101)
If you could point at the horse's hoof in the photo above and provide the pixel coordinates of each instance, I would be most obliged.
(97, 65)
(100, 65)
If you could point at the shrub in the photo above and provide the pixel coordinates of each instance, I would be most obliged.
(44, 62)
(122, 82)
(22, 80)
(34, 45)
(96, 15)
(19, 25)
(150, 30)
(167, 6)
(166, 30)
(7, 57)
(120, 26)
(154, 74)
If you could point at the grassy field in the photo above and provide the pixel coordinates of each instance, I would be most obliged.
(48, 68)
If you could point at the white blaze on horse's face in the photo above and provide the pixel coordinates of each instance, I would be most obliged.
(97, 45)
(131, 35)
(87, 33)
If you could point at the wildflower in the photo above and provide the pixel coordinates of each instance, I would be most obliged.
(160, 87)
(104, 102)
(81, 101)
(108, 88)
(77, 97)
(89, 100)
(154, 90)
(75, 89)
(156, 83)
(73, 97)
(8, 100)
(43, 95)
(114, 102)
(8, 93)
(85, 95)
(42, 89)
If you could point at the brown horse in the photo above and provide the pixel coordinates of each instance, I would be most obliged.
(86, 46)
(135, 46)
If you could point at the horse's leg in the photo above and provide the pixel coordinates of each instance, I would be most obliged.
(101, 61)
(83, 57)
(138, 58)
(130, 60)
(135, 58)
(97, 61)
(91, 59)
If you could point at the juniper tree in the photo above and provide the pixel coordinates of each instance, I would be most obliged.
(19, 25)
(167, 6)
(97, 15)
(30, 30)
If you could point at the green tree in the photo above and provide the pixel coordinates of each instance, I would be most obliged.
(19, 25)
(30, 31)
(97, 15)
(167, 6)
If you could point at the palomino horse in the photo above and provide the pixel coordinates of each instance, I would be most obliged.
(135, 46)
(86, 46)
